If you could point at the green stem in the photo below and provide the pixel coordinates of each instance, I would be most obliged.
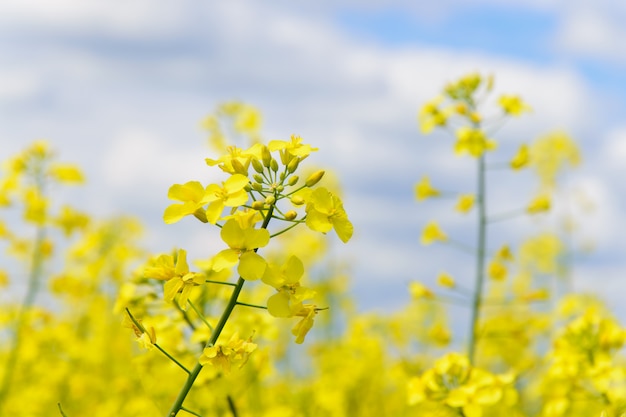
(34, 281)
(190, 412)
(480, 259)
(251, 305)
(230, 284)
(61, 410)
(215, 334)
(199, 313)
(231, 406)
(183, 367)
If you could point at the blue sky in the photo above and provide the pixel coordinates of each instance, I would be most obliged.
(122, 88)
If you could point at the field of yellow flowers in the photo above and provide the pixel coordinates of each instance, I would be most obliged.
(266, 326)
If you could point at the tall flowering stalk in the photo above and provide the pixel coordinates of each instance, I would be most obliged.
(262, 186)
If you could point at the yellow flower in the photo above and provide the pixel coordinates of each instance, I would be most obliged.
(504, 253)
(497, 270)
(294, 147)
(237, 160)
(472, 141)
(325, 212)
(445, 280)
(424, 190)
(419, 290)
(538, 205)
(513, 105)
(521, 158)
(432, 233)
(193, 197)
(301, 329)
(465, 203)
(430, 116)
(67, 173)
(230, 194)
(242, 243)
(235, 351)
(551, 153)
(286, 279)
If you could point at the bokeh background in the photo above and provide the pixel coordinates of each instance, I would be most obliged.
(121, 88)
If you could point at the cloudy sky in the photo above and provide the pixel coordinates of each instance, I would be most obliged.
(121, 88)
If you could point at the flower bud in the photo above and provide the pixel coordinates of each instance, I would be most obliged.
(280, 188)
(258, 178)
(293, 165)
(247, 187)
(314, 178)
(291, 214)
(285, 157)
(257, 205)
(257, 187)
(274, 165)
(270, 200)
(257, 165)
(266, 156)
(293, 180)
(238, 167)
(200, 214)
(297, 200)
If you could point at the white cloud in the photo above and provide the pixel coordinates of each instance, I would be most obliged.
(356, 101)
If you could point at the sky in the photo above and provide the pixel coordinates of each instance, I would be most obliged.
(121, 87)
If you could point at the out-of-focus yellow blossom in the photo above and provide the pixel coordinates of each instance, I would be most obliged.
(464, 88)
(248, 120)
(431, 233)
(424, 190)
(440, 334)
(193, 196)
(504, 253)
(242, 243)
(465, 203)
(497, 270)
(445, 280)
(419, 290)
(4, 278)
(431, 116)
(472, 141)
(222, 356)
(541, 253)
(70, 220)
(540, 294)
(513, 105)
(325, 212)
(67, 173)
(539, 204)
(521, 158)
(453, 382)
(230, 194)
(36, 210)
(551, 153)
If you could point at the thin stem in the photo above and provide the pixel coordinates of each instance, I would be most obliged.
(180, 365)
(231, 406)
(190, 412)
(61, 410)
(251, 305)
(143, 330)
(288, 228)
(184, 314)
(199, 313)
(220, 282)
(480, 259)
(215, 334)
(34, 281)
